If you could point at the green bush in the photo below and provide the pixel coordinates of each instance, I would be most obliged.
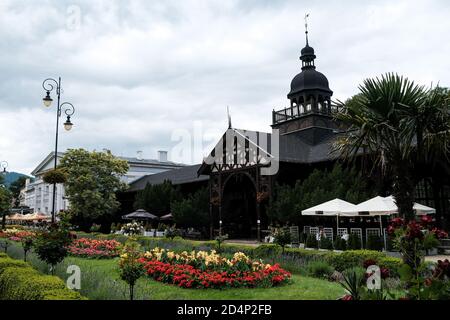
(267, 251)
(19, 281)
(353, 258)
(354, 242)
(282, 237)
(62, 294)
(340, 244)
(375, 243)
(6, 262)
(311, 241)
(320, 269)
(325, 243)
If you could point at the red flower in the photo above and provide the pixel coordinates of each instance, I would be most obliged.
(369, 262)
(426, 220)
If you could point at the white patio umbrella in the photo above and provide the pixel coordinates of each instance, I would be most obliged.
(377, 206)
(334, 207)
(422, 210)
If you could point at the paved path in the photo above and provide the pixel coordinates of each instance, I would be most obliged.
(437, 257)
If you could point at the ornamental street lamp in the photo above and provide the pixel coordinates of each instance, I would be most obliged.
(3, 166)
(49, 85)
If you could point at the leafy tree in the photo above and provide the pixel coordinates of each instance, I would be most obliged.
(130, 267)
(192, 211)
(15, 188)
(282, 237)
(5, 203)
(403, 126)
(51, 245)
(318, 187)
(93, 178)
(157, 198)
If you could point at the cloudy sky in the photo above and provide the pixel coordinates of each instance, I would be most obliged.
(152, 75)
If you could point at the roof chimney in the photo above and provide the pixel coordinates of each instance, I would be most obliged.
(139, 155)
(162, 156)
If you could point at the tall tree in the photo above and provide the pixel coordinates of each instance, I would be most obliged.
(156, 198)
(93, 178)
(193, 211)
(5, 203)
(15, 189)
(400, 125)
(320, 186)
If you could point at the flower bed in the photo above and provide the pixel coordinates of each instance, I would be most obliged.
(210, 270)
(15, 234)
(97, 249)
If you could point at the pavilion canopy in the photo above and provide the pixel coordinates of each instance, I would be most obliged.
(28, 217)
(381, 206)
(333, 207)
(373, 207)
(166, 217)
(140, 214)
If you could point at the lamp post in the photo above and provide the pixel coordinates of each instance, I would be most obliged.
(3, 166)
(49, 85)
(258, 222)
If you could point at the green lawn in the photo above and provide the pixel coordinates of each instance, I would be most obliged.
(106, 277)
(100, 280)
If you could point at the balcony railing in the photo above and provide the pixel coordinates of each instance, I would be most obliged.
(299, 111)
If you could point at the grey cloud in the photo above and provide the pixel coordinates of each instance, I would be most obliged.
(136, 71)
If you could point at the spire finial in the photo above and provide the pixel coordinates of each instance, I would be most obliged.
(229, 117)
(306, 27)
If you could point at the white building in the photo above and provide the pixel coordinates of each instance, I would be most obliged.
(38, 195)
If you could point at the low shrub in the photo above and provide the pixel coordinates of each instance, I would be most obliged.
(267, 251)
(354, 242)
(19, 281)
(340, 244)
(320, 269)
(375, 243)
(353, 258)
(325, 243)
(311, 241)
(6, 262)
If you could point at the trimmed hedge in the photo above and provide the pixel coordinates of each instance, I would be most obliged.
(19, 281)
(347, 259)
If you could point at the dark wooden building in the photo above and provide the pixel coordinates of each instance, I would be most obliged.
(244, 166)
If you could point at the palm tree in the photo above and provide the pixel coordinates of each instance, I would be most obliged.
(401, 125)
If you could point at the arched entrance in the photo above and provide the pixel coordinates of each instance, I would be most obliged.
(239, 216)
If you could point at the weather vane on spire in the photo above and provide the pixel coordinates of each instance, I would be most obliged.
(306, 27)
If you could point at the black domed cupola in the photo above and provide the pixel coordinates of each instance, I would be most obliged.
(309, 89)
(309, 118)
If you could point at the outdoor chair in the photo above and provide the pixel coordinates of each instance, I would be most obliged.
(314, 230)
(295, 238)
(341, 232)
(306, 229)
(328, 233)
(150, 233)
(372, 232)
(358, 232)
